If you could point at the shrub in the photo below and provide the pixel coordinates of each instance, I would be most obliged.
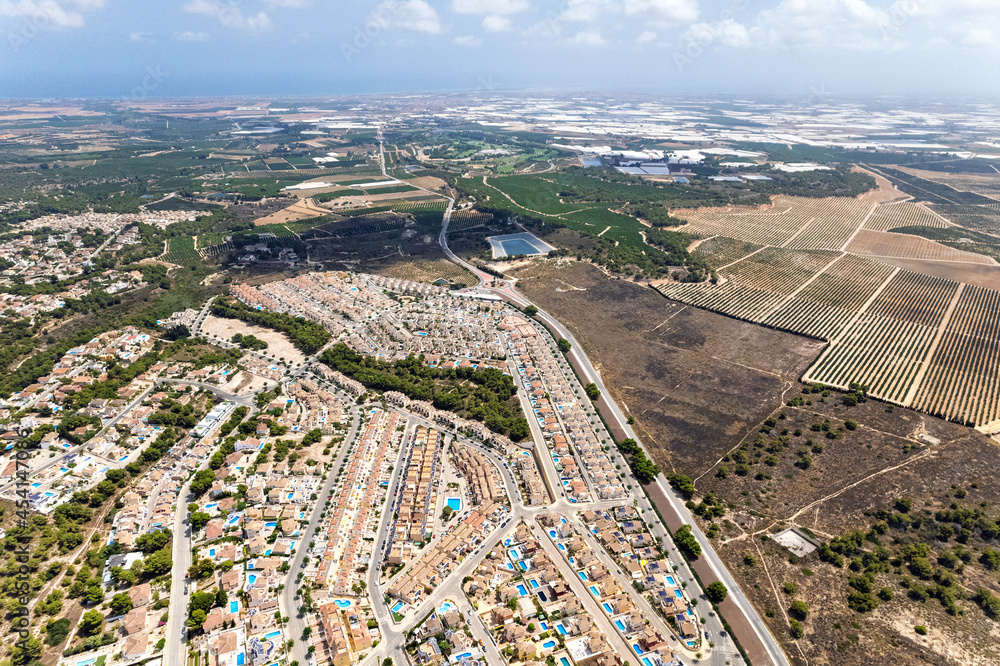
(920, 629)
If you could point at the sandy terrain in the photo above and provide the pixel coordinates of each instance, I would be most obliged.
(886, 190)
(279, 346)
(300, 210)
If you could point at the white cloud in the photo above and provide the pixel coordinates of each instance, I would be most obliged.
(489, 6)
(140, 36)
(663, 12)
(229, 15)
(728, 33)
(587, 38)
(978, 37)
(496, 23)
(189, 36)
(851, 24)
(50, 13)
(468, 40)
(414, 15)
(587, 10)
(647, 37)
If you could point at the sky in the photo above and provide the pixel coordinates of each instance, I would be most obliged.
(179, 48)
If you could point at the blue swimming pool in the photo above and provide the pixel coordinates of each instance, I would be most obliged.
(678, 594)
(635, 646)
(273, 634)
(646, 661)
(240, 659)
(234, 606)
(552, 533)
(397, 606)
(561, 629)
(271, 524)
(522, 590)
(514, 554)
(252, 578)
(594, 591)
(523, 565)
(562, 547)
(608, 608)
(211, 552)
(620, 625)
(545, 627)
(343, 603)
(564, 661)
(446, 606)
(549, 645)
(534, 583)
(670, 581)
(454, 503)
(583, 575)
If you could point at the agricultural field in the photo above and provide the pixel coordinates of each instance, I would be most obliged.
(985, 219)
(885, 347)
(905, 214)
(181, 250)
(793, 222)
(720, 251)
(755, 286)
(887, 327)
(983, 184)
(904, 246)
(826, 305)
(963, 376)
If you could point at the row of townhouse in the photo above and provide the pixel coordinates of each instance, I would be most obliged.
(355, 513)
(553, 393)
(480, 474)
(416, 503)
(439, 561)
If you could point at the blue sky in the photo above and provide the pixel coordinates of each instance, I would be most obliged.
(107, 48)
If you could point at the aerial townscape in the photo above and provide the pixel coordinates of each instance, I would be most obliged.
(496, 377)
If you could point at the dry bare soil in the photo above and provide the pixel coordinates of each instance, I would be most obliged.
(695, 381)
(701, 386)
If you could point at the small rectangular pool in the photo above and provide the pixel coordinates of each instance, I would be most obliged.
(608, 608)
(397, 607)
(534, 583)
(670, 581)
(583, 575)
(678, 594)
(234, 606)
(273, 634)
(522, 590)
(619, 624)
(454, 503)
(561, 629)
(595, 591)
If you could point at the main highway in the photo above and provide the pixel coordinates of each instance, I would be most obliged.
(588, 374)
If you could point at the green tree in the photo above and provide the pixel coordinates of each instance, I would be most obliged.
(120, 604)
(564, 345)
(799, 610)
(91, 622)
(592, 391)
(531, 310)
(716, 592)
(26, 652)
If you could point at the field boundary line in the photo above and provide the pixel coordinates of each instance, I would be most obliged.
(742, 258)
(911, 395)
(805, 284)
(937, 215)
(875, 206)
(944, 261)
(796, 234)
(806, 379)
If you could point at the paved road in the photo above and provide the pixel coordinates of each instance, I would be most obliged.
(60, 460)
(288, 601)
(588, 374)
(175, 652)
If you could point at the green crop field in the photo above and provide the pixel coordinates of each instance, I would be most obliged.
(181, 251)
